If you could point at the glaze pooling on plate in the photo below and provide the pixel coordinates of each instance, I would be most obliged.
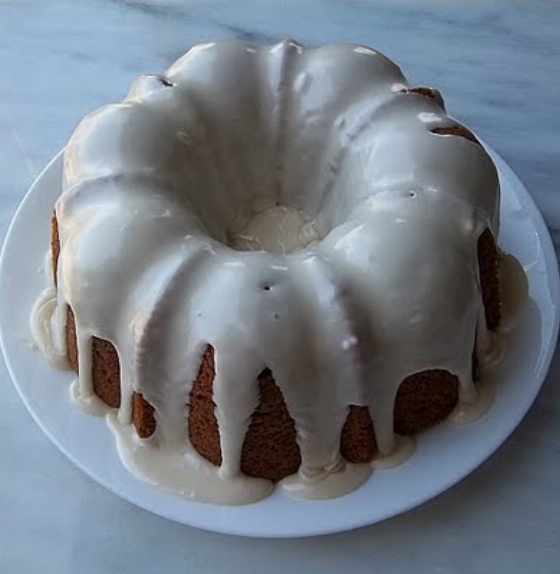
(373, 278)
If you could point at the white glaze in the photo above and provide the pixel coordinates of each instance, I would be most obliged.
(45, 331)
(42, 329)
(185, 474)
(385, 282)
(330, 483)
(403, 450)
(278, 229)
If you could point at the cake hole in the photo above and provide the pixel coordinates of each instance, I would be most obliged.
(165, 82)
(458, 131)
(266, 287)
(278, 229)
(411, 194)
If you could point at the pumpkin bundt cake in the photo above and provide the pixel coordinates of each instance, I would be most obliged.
(272, 264)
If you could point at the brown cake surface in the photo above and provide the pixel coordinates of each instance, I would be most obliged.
(270, 449)
(458, 131)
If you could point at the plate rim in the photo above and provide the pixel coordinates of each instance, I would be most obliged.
(553, 277)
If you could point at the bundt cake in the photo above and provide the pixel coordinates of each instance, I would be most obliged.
(272, 264)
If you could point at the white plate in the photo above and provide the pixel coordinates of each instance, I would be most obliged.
(443, 455)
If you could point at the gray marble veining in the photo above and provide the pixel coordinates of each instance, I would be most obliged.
(497, 64)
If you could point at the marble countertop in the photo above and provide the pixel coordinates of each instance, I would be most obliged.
(496, 62)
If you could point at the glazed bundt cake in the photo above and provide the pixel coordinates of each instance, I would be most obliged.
(271, 264)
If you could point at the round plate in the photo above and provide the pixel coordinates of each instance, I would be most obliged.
(443, 456)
